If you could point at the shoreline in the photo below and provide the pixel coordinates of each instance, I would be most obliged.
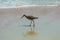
(25, 6)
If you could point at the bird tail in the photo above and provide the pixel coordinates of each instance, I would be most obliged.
(36, 17)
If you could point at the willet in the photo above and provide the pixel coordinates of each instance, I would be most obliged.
(31, 18)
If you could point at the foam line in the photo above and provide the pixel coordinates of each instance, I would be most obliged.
(25, 6)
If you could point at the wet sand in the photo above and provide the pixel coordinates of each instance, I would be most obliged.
(47, 26)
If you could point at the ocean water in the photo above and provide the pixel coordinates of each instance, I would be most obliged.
(7, 3)
(12, 27)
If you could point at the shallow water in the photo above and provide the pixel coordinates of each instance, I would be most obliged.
(12, 27)
(7, 3)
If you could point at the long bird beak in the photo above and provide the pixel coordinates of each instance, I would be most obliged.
(22, 16)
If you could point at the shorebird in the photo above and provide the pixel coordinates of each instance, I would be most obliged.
(31, 18)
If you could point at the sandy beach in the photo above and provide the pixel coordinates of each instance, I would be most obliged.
(47, 26)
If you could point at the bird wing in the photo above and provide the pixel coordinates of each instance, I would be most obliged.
(31, 16)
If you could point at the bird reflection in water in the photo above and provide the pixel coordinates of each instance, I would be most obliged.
(31, 18)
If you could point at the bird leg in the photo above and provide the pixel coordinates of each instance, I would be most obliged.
(32, 28)
(33, 25)
(30, 25)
